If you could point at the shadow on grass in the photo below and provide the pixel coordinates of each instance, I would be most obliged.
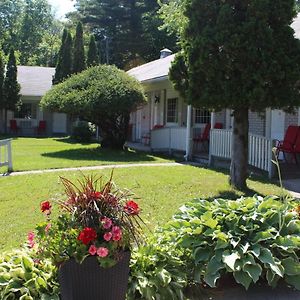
(102, 155)
(69, 140)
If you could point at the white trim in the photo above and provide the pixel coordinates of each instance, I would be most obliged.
(268, 123)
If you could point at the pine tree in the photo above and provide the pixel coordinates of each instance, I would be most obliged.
(1, 81)
(64, 61)
(240, 55)
(92, 55)
(78, 54)
(11, 87)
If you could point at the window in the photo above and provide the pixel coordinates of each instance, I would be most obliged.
(172, 110)
(27, 111)
(202, 116)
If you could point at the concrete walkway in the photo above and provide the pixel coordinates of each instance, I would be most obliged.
(170, 164)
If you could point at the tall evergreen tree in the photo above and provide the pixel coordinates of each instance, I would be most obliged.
(64, 61)
(241, 55)
(11, 87)
(78, 54)
(92, 55)
(1, 81)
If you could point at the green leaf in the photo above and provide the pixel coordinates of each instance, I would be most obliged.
(254, 271)
(291, 267)
(230, 259)
(266, 256)
(201, 254)
(164, 276)
(242, 278)
(294, 281)
(211, 279)
(27, 263)
(262, 236)
(272, 278)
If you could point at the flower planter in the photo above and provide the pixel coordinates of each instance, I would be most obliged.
(89, 281)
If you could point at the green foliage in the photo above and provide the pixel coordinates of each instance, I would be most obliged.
(1, 80)
(22, 277)
(158, 270)
(254, 239)
(64, 62)
(78, 52)
(122, 22)
(92, 55)
(35, 23)
(83, 132)
(11, 87)
(102, 95)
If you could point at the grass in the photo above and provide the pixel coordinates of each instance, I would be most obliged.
(52, 153)
(162, 190)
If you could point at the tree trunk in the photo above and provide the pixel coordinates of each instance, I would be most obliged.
(239, 158)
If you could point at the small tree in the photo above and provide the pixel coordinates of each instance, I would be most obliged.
(11, 87)
(64, 62)
(78, 54)
(240, 55)
(92, 55)
(103, 95)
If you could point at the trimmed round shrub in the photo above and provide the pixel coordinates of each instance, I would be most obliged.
(103, 95)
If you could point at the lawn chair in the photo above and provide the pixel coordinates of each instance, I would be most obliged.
(202, 138)
(13, 126)
(41, 129)
(288, 145)
(218, 126)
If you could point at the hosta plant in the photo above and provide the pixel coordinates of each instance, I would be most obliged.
(253, 239)
(23, 278)
(96, 219)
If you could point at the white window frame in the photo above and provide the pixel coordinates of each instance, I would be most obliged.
(204, 117)
(175, 122)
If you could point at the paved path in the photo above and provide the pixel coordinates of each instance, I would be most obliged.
(170, 164)
(293, 186)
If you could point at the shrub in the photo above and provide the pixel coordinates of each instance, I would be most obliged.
(254, 239)
(83, 132)
(23, 278)
(103, 95)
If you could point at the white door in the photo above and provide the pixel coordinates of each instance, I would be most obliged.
(59, 123)
(277, 124)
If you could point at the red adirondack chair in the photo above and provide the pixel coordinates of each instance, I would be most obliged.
(13, 126)
(288, 145)
(41, 129)
(218, 126)
(202, 138)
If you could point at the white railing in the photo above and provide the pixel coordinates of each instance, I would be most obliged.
(171, 138)
(260, 148)
(5, 154)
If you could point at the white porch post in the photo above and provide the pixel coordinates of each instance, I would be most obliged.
(188, 133)
(268, 123)
(212, 119)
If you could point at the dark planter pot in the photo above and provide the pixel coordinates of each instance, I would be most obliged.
(89, 281)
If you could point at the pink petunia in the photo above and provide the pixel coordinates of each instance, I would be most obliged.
(117, 237)
(107, 222)
(30, 239)
(102, 252)
(107, 236)
(116, 230)
(93, 250)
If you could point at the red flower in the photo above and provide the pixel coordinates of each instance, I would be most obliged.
(107, 236)
(30, 239)
(87, 235)
(46, 206)
(96, 195)
(106, 222)
(132, 208)
(92, 250)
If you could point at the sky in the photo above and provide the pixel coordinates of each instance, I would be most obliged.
(62, 7)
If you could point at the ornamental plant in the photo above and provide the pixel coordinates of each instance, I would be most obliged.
(96, 219)
(252, 239)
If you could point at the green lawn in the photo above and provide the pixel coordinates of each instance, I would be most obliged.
(162, 191)
(49, 153)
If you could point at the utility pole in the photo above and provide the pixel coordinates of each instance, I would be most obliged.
(106, 39)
